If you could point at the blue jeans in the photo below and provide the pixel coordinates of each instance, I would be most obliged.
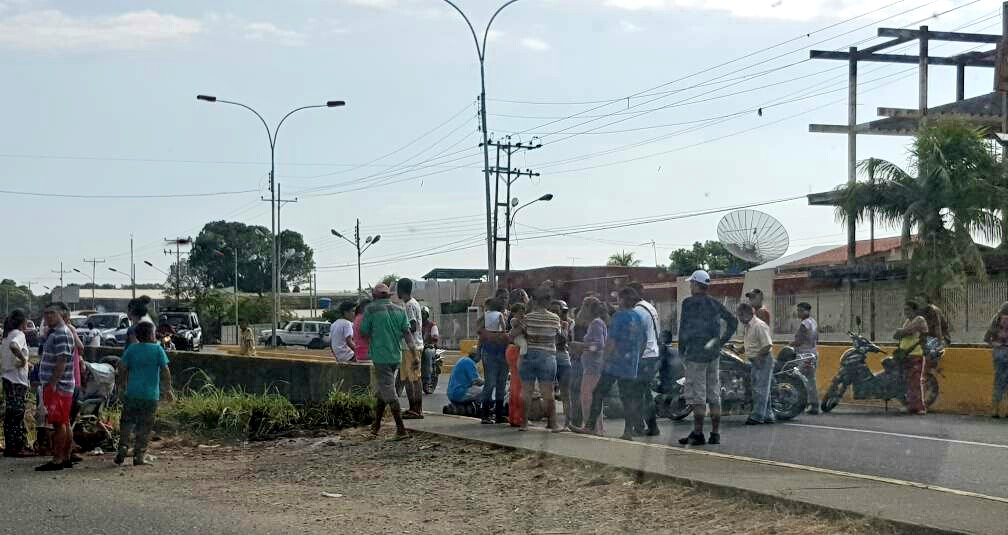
(537, 365)
(761, 375)
(496, 369)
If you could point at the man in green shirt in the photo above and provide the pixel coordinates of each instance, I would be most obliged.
(387, 327)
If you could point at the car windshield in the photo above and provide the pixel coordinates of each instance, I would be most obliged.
(103, 321)
(178, 321)
(79, 323)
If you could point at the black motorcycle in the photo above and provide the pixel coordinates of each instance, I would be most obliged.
(433, 360)
(788, 391)
(888, 384)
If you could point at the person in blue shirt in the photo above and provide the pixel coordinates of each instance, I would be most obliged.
(143, 371)
(627, 340)
(465, 384)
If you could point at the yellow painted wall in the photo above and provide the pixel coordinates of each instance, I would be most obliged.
(965, 379)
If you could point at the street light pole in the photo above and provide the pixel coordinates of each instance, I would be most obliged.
(368, 242)
(235, 251)
(481, 54)
(132, 278)
(271, 135)
(507, 242)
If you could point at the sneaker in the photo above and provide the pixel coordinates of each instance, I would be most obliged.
(49, 467)
(120, 458)
(411, 415)
(693, 439)
(715, 438)
(627, 436)
(488, 421)
(754, 421)
(653, 432)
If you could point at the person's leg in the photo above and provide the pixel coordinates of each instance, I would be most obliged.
(631, 397)
(379, 414)
(500, 389)
(761, 373)
(713, 391)
(602, 387)
(548, 372)
(409, 372)
(813, 389)
(589, 381)
(516, 405)
(1000, 380)
(144, 423)
(527, 388)
(527, 371)
(426, 366)
(648, 411)
(490, 366)
(10, 447)
(127, 424)
(564, 378)
(696, 396)
(914, 385)
(576, 373)
(19, 433)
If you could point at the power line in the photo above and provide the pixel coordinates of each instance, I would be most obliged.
(127, 195)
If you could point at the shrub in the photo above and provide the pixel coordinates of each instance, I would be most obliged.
(234, 412)
(341, 410)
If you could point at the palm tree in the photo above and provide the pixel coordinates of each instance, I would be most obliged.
(954, 190)
(624, 259)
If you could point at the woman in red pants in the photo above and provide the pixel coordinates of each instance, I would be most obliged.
(911, 344)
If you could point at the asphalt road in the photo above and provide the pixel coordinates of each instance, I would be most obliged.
(957, 452)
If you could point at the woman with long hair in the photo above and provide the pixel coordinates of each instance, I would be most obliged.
(516, 407)
(360, 340)
(15, 368)
(595, 315)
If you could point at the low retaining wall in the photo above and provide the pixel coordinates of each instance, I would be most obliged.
(299, 380)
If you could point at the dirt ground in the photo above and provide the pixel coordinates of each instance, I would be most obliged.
(349, 483)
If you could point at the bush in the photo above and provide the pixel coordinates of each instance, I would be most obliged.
(340, 410)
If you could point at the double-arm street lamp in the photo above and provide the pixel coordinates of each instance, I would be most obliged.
(271, 136)
(507, 237)
(368, 242)
(481, 55)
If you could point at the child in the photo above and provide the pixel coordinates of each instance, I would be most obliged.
(517, 317)
(493, 318)
(43, 444)
(142, 365)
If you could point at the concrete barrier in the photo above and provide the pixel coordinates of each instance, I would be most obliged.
(301, 381)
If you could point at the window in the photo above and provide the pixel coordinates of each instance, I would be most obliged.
(311, 327)
(294, 327)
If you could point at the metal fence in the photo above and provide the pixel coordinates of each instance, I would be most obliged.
(969, 310)
(455, 327)
(229, 333)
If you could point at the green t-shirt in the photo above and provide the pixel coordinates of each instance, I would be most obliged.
(144, 363)
(385, 324)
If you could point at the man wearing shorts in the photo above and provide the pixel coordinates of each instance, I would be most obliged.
(57, 377)
(700, 339)
(386, 326)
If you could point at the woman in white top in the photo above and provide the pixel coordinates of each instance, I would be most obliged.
(15, 366)
(341, 341)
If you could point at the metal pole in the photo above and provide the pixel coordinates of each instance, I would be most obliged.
(923, 72)
(237, 335)
(851, 147)
(132, 268)
(273, 230)
(360, 284)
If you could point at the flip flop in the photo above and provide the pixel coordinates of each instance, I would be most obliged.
(399, 438)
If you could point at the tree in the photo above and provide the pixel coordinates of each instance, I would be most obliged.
(390, 279)
(709, 255)
(255, 260)
(954, 188)
(623, 258)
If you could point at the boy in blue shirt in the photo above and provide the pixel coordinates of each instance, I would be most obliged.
(142, 367)
(465, 385)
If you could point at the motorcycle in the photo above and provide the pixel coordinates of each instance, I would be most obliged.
(890, 383)
(433, 360)
(788, 391)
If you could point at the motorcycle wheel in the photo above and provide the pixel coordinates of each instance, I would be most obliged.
(788, 397)
(930, 390)
(673, 408)
(833, 395)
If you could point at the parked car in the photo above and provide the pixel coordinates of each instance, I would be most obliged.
(311, 334)
(107, 326)
(188, 335)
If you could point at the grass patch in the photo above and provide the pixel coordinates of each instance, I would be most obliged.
(237, 413)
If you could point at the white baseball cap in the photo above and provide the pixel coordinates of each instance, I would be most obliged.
(700, 276)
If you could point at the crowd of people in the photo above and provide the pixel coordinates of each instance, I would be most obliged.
(59, 378)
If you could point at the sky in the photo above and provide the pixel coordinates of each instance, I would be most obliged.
(644, 108)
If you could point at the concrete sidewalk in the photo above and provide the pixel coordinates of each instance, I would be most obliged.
(911, 507)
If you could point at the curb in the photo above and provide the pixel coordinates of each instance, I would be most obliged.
(728, 491)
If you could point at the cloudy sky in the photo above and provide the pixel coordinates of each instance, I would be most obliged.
(644, 108)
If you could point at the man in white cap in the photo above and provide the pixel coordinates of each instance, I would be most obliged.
(701, 336)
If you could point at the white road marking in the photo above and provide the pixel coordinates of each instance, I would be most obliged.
(902, 435)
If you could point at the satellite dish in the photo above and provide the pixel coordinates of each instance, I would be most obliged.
(753, 236)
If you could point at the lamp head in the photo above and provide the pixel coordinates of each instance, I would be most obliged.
(547, 197)
(334, 233)
(376, 238)
(206, 98)
(335, 103)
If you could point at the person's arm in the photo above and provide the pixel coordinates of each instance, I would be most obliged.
(767, 342)
(166, 383)
(801, 335)
(122, 374)
(731, 323)
(918, 325)
(20, 352)
(435, 335)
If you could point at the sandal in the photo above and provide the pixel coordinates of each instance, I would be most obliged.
(410, 415)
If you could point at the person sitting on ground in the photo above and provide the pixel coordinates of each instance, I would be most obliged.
(247, 339)
(465, 384)
(341, 342)
(143, 365)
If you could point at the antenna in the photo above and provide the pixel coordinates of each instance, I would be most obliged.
(753, 236)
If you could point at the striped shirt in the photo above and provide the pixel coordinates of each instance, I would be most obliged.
(541, 330)
(58, 347)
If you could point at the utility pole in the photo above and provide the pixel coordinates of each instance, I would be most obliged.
(178, 242)
(132, 268)
(94, 264)
(510, 176)
(280, 202)
(62, 272)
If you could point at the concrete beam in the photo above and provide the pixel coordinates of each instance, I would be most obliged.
(967, 60)
(909, 35)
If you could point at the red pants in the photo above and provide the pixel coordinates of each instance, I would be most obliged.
(915, 383)
(516, 407)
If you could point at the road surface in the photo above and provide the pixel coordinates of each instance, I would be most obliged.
(956, 452)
